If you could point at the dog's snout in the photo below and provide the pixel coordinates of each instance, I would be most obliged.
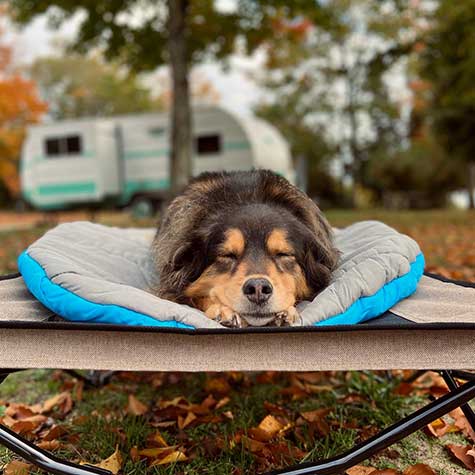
(257, 291)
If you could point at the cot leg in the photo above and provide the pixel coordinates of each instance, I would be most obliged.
(466, 409)
(39, 457)
(455, 398)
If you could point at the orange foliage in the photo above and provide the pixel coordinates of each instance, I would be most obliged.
(19, 107)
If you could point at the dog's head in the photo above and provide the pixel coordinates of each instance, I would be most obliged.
(257, 259)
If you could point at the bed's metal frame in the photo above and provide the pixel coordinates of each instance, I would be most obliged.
(458, 396)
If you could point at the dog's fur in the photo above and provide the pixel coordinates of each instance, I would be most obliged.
(226, 228)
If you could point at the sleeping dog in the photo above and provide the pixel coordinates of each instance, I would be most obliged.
(243, 247)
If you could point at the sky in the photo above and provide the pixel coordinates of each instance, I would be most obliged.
(235, 85)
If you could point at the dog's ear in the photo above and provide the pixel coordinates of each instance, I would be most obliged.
(319, 261)
(186, 265)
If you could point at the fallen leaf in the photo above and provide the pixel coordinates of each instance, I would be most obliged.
(28, 424)
(313, 416)
(386, 471)
(360, 470)
(156, 439)
(419, 469)
(222, 402)
(16, 467)
(460, 452)
(155, 452)
(270, 425)
(49, 444)
(63, 401)
(54, 433)
(136, 407)
(186, 421)
(112, 463)
(174, 457)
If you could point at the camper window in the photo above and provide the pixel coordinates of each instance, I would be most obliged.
(208, 144)
(70, 145)
(52, 147)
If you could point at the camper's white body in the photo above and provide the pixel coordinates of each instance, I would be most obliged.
(119, 158)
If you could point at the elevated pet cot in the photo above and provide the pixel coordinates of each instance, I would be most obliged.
(434, 328)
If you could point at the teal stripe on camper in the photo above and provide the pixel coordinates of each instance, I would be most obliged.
(134, 154)
(67, 188)
(237, 145)
(146, 185)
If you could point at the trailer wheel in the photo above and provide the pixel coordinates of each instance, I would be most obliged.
(142, 207)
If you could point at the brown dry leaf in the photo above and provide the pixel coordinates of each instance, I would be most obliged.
(54, 433)
(270, 425)
(186, 421)
(386, 471)
(49, 444)
(419, 469)
(134, 454)
(179, 401)
(217, 386)
(462, 423)
(63, 401)
(316, 415)
(135, 407)
(174, 457)
(252, 445)
(439, 427)
(78, 390)
(19, 411)
(360, 470)
(16, 467)
(112, 463)
(156, 452)
(28, 424)
(460, 452)
(156, 440)
(222, 402)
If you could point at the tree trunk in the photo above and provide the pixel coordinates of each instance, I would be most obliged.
(471, 184)
(181, 123)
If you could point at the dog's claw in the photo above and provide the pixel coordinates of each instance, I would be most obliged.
(287, 318)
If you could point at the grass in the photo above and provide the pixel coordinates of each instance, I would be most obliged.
(99, 421)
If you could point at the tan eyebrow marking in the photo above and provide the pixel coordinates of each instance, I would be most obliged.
(277, 242)
(234, 243)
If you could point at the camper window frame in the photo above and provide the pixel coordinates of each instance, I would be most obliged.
(63, 146)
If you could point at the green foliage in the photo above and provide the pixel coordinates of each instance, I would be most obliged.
(448, 63)
(78, 86)
(135, 32)
(420, 176)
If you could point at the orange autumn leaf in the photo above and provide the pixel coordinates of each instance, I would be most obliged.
(360, 470)
(419, 469)
(20, 106)
(16, 467)
(112, 463)
(136, 407)
(174, 457)
(62, 402)
(461, 453)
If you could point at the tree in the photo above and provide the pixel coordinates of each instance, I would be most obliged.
(78, 86)
(20, 106)
(336, 77)
(145, 34)
(448, 63)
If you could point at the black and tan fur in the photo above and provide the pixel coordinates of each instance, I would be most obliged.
(227, 229)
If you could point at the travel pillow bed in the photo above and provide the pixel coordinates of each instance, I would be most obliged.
(86, 272)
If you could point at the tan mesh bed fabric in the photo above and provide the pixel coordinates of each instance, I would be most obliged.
(28, 340)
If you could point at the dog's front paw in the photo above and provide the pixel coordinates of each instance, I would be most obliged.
(226, 316)
(287, 318)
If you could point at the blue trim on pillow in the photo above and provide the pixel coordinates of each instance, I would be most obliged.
(72, 307)
(386, 297)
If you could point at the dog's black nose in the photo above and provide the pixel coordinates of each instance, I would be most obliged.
(258, 291)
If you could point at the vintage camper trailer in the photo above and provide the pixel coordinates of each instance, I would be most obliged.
(125, 159)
